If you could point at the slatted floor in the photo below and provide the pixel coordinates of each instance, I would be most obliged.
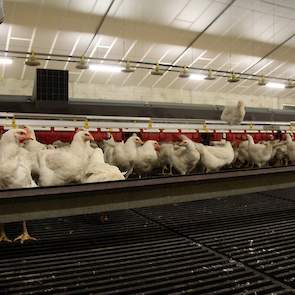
(236, 245)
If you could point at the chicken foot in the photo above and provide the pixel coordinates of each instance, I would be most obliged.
(129, 172)
(3, 237)
(25, 235)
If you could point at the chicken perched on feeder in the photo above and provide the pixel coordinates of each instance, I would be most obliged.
(234, 115)
(15, 170)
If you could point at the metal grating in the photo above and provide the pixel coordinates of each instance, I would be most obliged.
(147, 251)
(255, 230)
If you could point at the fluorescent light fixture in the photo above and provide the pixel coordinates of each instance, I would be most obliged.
(5, 61)
(105, 68)
(275, 85)
(198, 77)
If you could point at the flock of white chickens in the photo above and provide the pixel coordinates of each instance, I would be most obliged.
(25, 162)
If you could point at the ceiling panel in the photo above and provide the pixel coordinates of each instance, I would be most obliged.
(156, 31)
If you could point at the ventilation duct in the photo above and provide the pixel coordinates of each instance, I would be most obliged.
(51, 86)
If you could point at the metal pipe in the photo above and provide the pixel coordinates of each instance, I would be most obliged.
(203, 31)
(142, 64)
(99, 26)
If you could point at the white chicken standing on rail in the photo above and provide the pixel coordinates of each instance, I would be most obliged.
(65, 165)
(234, 115)
(15, 170)
(123, 155)
(259, 153)
(147, 157)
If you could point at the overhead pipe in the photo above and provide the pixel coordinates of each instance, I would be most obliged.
(141, 64)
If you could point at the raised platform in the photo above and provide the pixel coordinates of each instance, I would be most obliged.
(45, 202)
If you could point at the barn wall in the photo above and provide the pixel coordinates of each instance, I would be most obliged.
(97, 91)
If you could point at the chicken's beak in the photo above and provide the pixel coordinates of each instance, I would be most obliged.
(140, 142)
(28, 136)
(91, 137)
(157, 147)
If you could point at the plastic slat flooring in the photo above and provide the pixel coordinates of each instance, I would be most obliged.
(236, 245)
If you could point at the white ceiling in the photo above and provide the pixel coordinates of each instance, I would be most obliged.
(153, 30)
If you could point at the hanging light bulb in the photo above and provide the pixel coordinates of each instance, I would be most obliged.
(128, 68)
(261, 81)
(82, 64)
(156, 71)
(210, 75)
(290, 84)
(184, 73)
(232, 78)
(32, 61)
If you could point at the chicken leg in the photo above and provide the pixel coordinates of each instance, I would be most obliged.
(25, 235)
(3, 237)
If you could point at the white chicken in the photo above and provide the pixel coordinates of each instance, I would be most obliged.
(185, 159)
(290, 148)
(123, 155)
(33, 147)
(108, 148)
(15, 164)
(65, 165)
(280, 155)
(99, 171)
(147, 157)
(243, 154)
(259, 153)
(182, 157)
(223, 151)
(234, 115)
(215, 157)
(15, 170)
(166, 157)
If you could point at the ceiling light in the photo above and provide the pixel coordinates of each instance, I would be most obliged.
(184, 73)
(197, 77)
(82, 64)
(290, 84)
(128, 68)
(210, 75)
(261, 81)
(275, 85)
(232, 78)
(5, 61)
(105, 68)
(156, 71)
(32, 61)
